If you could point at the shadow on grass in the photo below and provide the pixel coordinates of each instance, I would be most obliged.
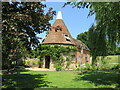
(24, 81)
(16, 71)
(101, 77)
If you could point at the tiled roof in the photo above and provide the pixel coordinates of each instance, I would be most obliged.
(59, 34)
(80, 44)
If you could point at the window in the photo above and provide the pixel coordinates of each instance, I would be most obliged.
(58, 28)
(86, 58)
(66, 35)
(68, 40)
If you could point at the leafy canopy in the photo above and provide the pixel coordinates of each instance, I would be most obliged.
(21, 22)
(107, 28)
(83, 37)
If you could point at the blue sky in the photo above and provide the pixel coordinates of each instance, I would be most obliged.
(75, 19)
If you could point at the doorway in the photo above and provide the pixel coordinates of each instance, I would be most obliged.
(47, 61)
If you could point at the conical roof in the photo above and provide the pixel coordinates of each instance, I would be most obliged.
(59, 33)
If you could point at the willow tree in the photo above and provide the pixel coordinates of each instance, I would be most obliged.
(107, 26)
(20, 24)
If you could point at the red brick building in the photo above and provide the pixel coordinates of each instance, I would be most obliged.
(59, 34)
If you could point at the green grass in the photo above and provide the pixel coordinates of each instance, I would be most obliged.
(111, 59)
(54, 79)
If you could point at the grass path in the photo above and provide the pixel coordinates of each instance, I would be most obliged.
(53, 79)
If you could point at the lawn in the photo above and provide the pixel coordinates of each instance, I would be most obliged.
(111, 59)
(54, 79)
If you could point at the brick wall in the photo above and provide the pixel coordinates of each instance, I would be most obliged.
(83, 54)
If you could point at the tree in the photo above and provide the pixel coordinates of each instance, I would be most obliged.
(107, 14)
(96, 43)
(21, 22)
(83, 37)
(118, 51)
(107, 26)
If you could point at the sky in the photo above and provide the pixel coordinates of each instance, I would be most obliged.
(75, 19)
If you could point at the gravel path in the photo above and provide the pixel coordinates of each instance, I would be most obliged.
(39, 69)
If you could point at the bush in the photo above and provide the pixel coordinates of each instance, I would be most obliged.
(40, 62)
(63, 69)
(67, 59)
(88, 67)
(34, 62)
(27, 62)
(76, 69)
(58, 68)
(67, 65)
(115, 67)
(94, 67)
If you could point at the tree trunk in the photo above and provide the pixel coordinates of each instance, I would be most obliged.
(94, 60)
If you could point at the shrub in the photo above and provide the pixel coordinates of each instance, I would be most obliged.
(40, 62)
(67, 59)
(94, 67)
(115, 67)
(63, 69)
(27, 62)
(68, 63)
(88, 67)
(34, 62)
(76, 69)
(58, 67)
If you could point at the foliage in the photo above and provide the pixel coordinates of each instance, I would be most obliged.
(115, 67)
(76, 69)
(67, 59)
(58, 66)
(27, 62)
(56, 52)
(88, 67)
(108, 67)
(20, 24)
(40, 62)
(83, 37)
(118, 51)
(104, 65)
(88, 40)
(107, 26)
(67, 65)
(97, 47)
(112, 51)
